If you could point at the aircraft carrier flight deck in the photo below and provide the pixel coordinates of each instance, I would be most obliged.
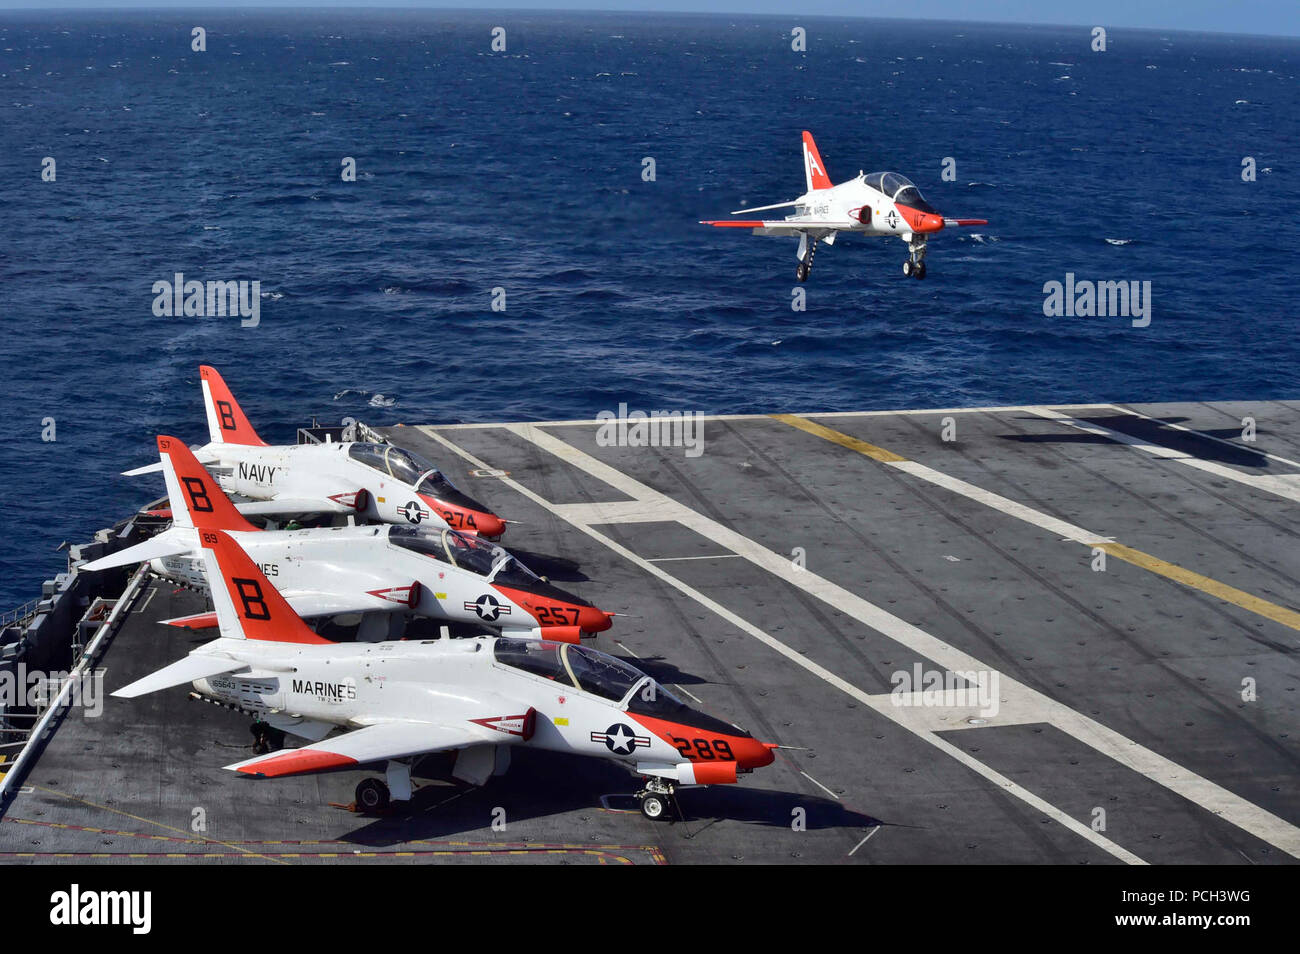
(1124, 579)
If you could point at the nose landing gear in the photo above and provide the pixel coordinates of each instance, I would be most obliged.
(914, 267)
(657, 799)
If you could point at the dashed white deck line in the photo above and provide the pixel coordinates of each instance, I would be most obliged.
(680, 688)
(759, 417)
(864, 841)
(887, 710)
(1284, 485)
(1026, 701)
(819, 785)
(676, 686)
(714, 556)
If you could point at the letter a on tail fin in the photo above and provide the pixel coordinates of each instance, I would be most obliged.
(247, 605)
(813, 167)
(227, 423)
(196, 499)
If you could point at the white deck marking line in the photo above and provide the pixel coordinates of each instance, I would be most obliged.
(864, 840)
(675, 685)
(759, 417)
(1054, 525)
(1026, 701)
(619, 511)
(145, 605)
(886, 710)
(716, 556)
(679, 687)
(819, 785)
(1285, 485)
(1209, 437)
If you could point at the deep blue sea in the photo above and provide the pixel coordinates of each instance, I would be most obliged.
(523, 170)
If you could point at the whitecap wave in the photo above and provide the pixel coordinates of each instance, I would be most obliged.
(373, 398)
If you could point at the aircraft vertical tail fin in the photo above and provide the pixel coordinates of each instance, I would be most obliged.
(227, 423)
(246, 604)
(813, 167)
(196, 498)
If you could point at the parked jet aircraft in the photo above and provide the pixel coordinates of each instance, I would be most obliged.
(372, 481)
(374, 569)
(398, 701)
(881, 203)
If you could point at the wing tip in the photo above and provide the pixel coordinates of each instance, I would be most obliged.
(291, 762)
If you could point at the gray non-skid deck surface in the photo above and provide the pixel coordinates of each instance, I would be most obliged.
(1150, 666)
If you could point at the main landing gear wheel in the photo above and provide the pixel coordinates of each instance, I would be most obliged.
(908, 267)
(657, 799)
(372, 796)
(653, 807)
(801, 271)
(918, 270)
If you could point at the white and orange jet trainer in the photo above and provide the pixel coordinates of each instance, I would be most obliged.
(876, 204)
(398, 701)
(367, 481)
(379, 571)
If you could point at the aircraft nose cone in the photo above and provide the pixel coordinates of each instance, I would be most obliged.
(489, 525)
(460, 517)
(752, 754)
(919, 220)
(552, 606)
(593, 620)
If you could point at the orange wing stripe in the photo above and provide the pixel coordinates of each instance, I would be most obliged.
(296, 763)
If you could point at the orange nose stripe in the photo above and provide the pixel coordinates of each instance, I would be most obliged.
(921, 221)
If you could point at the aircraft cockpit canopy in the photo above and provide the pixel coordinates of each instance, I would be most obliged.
(899, 189)
(466, 552)
(403, 465)
(572, 666)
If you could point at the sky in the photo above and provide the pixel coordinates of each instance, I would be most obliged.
(1260, 17)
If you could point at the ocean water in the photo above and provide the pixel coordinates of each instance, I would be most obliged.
(522, 170)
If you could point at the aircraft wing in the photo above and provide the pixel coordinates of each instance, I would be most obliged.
(151, 549)
(780, 226)
(372, 743)
(796, 225)
(205, 457)
(186, 669)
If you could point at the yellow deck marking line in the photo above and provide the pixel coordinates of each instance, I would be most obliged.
(1230, 594)
(837, 437)
(149, 821)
